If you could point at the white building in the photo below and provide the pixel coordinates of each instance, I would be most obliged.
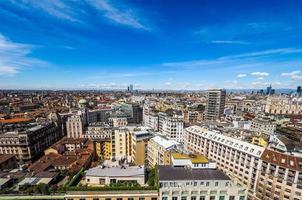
(238, 159)
(172, 128)
(263, 125)
(75, 126)
(99, 176)
(197, 184)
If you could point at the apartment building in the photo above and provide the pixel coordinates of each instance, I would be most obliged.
(159, 151)
(97, 131)
(29, 144)
(215, 104)
(172, 127)
(263, 125)
(121, 144)
(280, 177)
(197, 184)
(238, 159)
(118, 121)
(139, 150)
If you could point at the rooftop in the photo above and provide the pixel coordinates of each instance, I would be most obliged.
(164, 142)
(169, 173)
(198, 158)
(116, 171)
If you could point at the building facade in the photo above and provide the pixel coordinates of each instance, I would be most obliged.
(215, 104)
(243, 159)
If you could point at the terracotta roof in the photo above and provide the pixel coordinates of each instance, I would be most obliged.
(15, 120)
(43, 163)
(5, 157)
(282, 160)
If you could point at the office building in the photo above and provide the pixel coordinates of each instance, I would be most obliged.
(172, 127)
(215, 104)
(299, 90)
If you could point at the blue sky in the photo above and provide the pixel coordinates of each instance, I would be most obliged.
(192, 44)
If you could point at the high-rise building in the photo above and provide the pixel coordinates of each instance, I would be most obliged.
(215, 104)
(299, 90)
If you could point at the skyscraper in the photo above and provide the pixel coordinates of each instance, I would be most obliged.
(215, 104)
(299, 90)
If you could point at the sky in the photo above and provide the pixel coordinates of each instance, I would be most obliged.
(152, 44)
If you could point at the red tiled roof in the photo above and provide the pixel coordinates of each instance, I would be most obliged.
(282, 160)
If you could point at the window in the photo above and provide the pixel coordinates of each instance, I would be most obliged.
(141, 198)
(202, 198)
(130, 199)
(164, 198)
(207, 183)
(193, 198)
(216, 184)
(241, 198)
(174, 198)
(221, 197)
(183, 198)
(95, 198)
(119, 198)
(212, 197)
(108, 199)
(232, 198)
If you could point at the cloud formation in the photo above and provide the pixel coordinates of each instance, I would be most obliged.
(74, 11)
(16, 56)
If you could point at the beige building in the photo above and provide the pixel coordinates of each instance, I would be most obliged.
(139, 148)
(280, 177)
(159, 151)
(121, 144)
(262, 125)
(75, 126)
(238, 159)
(283, 106)
(118, 121)
(112, 195)
(215, 104)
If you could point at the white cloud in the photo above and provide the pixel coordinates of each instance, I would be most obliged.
(228, 42)
(16, 56)
(73, 11)
(293, 73)
(241, 75)
(125, 17)
(260, 74)
(250, 59)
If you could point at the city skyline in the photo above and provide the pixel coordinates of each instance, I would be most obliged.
(102, 44)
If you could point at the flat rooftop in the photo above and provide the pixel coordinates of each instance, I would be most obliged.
(116, 171)
(169, 173)
(198, 158)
